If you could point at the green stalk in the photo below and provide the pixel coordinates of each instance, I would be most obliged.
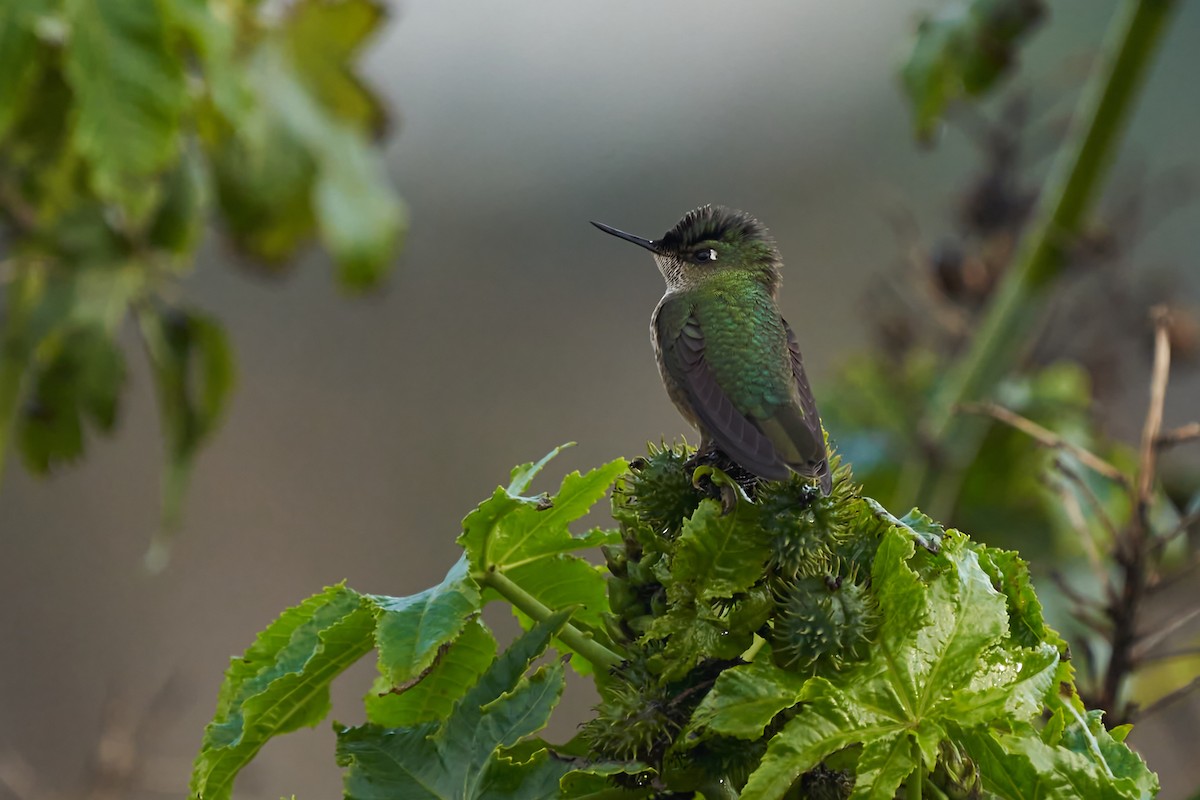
(600, 656)
(916, 782)
(1100, 119)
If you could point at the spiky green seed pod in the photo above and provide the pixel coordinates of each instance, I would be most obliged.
(658, 491)
(632, 723)
(822, 621)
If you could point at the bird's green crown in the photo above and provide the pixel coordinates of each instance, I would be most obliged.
(710, 224)
(714, 240)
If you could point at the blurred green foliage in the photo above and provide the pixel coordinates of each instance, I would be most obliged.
(127, 128)
(963, 51)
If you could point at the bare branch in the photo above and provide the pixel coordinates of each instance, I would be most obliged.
(1180, 435)
(1154, 638)
(1183, 526)
(1167, 655)
(1169, 698)
(1046, 438)
(1148, 458)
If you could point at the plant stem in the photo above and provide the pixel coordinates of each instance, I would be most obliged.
(1099, 121)
(916, 781)
(583, 644)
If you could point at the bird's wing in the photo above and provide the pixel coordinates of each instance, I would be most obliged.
(739, 436)
(803, 424)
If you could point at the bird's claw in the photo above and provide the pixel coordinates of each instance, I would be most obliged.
(718, 485)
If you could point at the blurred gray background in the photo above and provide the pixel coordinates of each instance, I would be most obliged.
(363, 430)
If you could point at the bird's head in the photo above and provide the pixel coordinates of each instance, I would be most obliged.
(710, 242)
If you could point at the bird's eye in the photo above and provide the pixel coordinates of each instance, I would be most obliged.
(706, 255)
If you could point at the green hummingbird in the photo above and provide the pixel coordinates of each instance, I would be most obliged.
(729, 360)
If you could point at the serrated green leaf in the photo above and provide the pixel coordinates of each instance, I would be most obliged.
(528, 540)
(510, 531)
(824, 726)
(563, 581)
(594, 781)
(719, 554)
(412, 629)
(746, 698)
(433, 697)
(463, 758)
(884, 764)
(129, 91)
(1018, 765)
(280, 684)
(1090, 737)
(943, 657)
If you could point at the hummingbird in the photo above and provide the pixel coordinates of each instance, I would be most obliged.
(728, 359)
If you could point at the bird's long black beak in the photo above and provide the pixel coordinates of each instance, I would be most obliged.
(649, 244)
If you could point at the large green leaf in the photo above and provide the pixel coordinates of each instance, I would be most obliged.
(719, 554)
(129, 91)
(528, 541)
(280, 684)
(746, 698)
(411, 630)
(944, 663)
(456, 666)
(464, 758)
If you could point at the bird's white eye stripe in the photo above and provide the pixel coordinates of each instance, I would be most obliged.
(705, 255)
(712, 255)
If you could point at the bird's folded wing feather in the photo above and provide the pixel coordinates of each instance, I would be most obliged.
(736, 434)
(805, 432)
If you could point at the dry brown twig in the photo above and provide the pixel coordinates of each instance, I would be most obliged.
(1134, 547)
(1046, 438)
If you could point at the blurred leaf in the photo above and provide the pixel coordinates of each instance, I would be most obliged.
(962, 51)
(358, 215)
(194, 372)
(60, 362)
(78, 377)
(129, 92)
(20, 60)
(463, 758)
(264, 182)
(213, 39)
(280, 684)
(179, 220)
(456, 667)
(322, 37)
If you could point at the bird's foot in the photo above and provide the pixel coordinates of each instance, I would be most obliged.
(720, 478)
